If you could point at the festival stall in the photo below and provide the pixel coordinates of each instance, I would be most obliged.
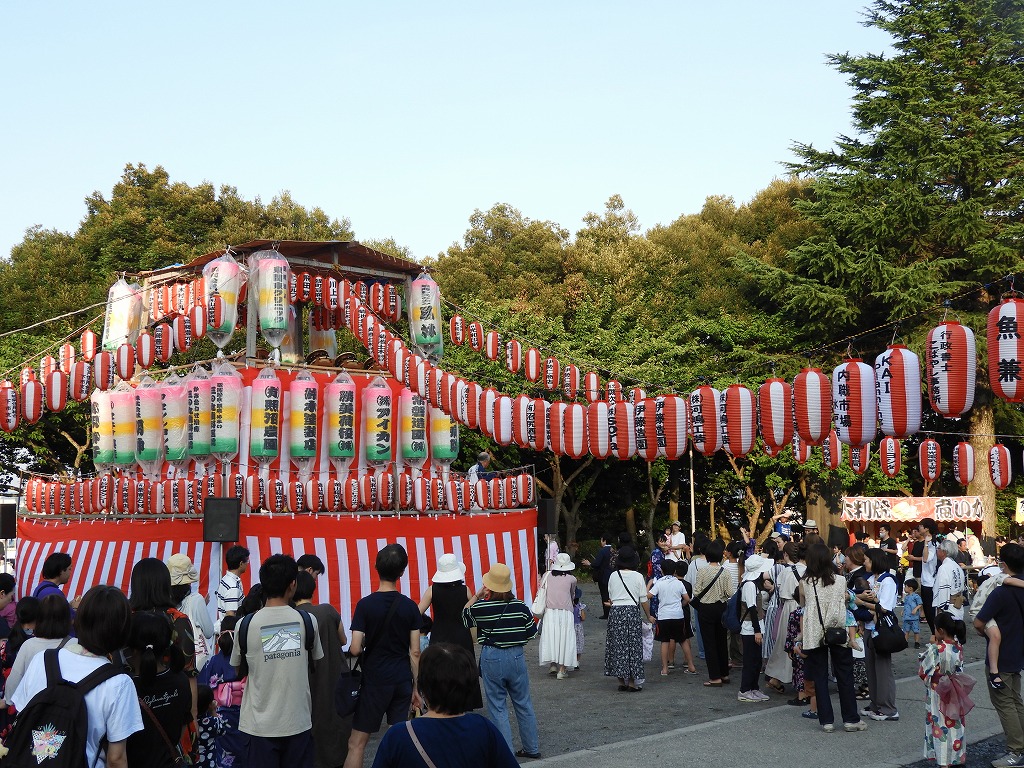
(901, 512)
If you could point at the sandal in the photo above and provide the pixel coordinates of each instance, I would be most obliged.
(712, 684)
(630, 689)
(777, 686)
(531, 755)
(995, 682)
(623, 687)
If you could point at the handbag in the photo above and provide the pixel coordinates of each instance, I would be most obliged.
(889, 637)
(350, 681)
(540, 602)
(835, 636)
(700, 595)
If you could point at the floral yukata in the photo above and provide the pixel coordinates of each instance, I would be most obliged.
(944, 740)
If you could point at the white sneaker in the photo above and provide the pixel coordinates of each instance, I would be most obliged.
(562, 676)
(748, 696)
(867, 712)
(762, 696)
(1009, 760)
(828, 727)
(860, 725)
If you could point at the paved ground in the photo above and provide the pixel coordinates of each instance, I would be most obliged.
(586, 723)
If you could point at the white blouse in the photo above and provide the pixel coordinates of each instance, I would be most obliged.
(622, 584)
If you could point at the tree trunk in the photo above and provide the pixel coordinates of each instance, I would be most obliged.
(982, 428)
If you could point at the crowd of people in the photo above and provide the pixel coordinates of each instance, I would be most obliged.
(249, 679)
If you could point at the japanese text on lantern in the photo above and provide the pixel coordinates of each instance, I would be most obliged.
(272, 414)
(347, 420)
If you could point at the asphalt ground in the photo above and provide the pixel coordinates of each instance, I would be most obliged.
(586, 722)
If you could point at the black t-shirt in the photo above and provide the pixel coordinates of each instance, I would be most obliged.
(1006, 606)
(917, 550)
(386, 649)
(170, 698)
(889, 545)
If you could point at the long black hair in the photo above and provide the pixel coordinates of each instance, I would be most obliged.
(820, 566)
(150, 637)
(151, 586)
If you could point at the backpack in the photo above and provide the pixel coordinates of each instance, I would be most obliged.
(732, 619)
(54, 726)
(242, 638)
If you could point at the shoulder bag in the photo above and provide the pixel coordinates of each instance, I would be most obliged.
(835, 636)
(350, 681)
(700, 595)
(540, 602)
(419, 747)
(178, 758)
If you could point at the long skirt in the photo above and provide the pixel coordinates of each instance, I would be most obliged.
(771, 627)
(558, 638)
(623, 648)
(780, 665)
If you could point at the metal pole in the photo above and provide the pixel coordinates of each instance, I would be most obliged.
(693, 509)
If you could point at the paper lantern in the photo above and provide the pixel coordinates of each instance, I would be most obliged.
(197, 321)
(952, 368)
(614, 392)
(525, 488)
(10, 409)
(254, 491)
(598, 441)
(102, 493)
(182, 332)
(890, 456)
(313, 496)
(929, 459)
(812, 405)
(163, 343)
(457, 330)
(198, 387)
(481, 494)
(335, 495)
(174, 421)
(382, 346)
(488, 397)
(963, 463)
(412, 428)
(425, 312)
(571, 381)
(223, 280)
(47, 365)
(673, 412)
(122, 417)
(421, 494)
(351, 498)
(102, 428)
(832, 451)
(88, 345)
(269, 272)
(124, 361)
(386, 490)
(226, 388)
(76, 502)
(860, 457)
(27, 374)
(405, 487)
(621, 430)
(444, 437)
(503, 420)
(31, 401)
(66, 357)
(650, 440)
(898, 391)
(265, 417)
(333, 296)
(999, 466)
(1006, 349)
(177, 497)
(492, 345)
(458, 495)
(215, 312)
(145, 350)
(775, 414)
(103, 370)
(80, 381)
(574, 430)
(296, 497)
(552, 374)
(276, 496)
(398, 354)
(513, 356)
(737, 415)
(853, 402)
(475, 336)
(537, 424)
(533, 365)
(149, 433)
(520, 414)
(472, 405)
(592, 387)
(303, 414)
(801, 449)
(556, 428)
(56, 391)
(377, 412)
(319, 291)
(705, 427)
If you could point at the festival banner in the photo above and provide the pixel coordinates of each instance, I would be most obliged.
(908, 509)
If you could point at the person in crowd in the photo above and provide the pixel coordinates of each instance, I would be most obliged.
(445, 598)
(963, 555)
(677, 549)
(26, 614)
(552, 550)
(755, 582)
(102, 626)
(974, 548)
(810, 529)
(312, 565)
(150, 590)
(823, 596)
(672, 626)
(697, 562)
(601, 567)
(912, 611)
(657, 560)
(945, 738)
(886, 541)
(211, 727)
(7, 584)
(230, 592)
(164, 694)
(479, 470)
(330, 731)
(735, 553)
(1005, 606)
(623, 653)
(504, 625)
(782, 525)
(222, 678)
(448, 734)
(880, 597)
(558, 634)
(386, 624)
(252, 602)
(51, 629)
(950, 581)
(927, 531)
(56, 573)
(579, 615)
(276, 703)
(855, 571)
(710, 594)
(191, 603)
(778, 668)
(802, 685)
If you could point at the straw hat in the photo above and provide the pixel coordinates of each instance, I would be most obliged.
(810, 524)
(448, 569)
(182, 570)
(563, 563)
(499, 578)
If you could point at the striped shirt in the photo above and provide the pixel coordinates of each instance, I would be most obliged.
(229, 594)
(500, 624)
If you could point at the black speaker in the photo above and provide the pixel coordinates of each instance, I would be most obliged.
(547, 519)
(8, 521)
(220, 519)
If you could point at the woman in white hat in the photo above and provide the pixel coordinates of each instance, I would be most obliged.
(445, 598)
(183, 576)
(755, 581)
(558, 632)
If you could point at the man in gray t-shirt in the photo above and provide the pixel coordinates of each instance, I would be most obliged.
(276, 705)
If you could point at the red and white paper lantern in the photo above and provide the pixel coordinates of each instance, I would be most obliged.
(853, 402)
(812, 406)
(832, 451)
(890, 456)
(622, 430)
(145, 350)
(1006, 350)
(929, 459)
(571, 381)
(124, 360)
(738, 419)
(537, 425)
(103, 370)
(533, 365)
(999, 466)
(673, 411)
(898, 391)
(650, 433)
(963, 463)
(67, 357)
(475, 336)
(860, 457)
(88, 345)
(514, 356)
(705, 427)
(56, 391)
(951, 356)
(32, 401)
(574, 430)
(81, 381)
(492, 345)
(556, 424)
(775, 414)
(457, 330)
(592, 387)
(163, 342)
(10, 409)
(552, 374)
(801, 449)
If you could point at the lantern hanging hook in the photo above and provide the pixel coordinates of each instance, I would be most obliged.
(946, 307)
(895, 332)
(849, 349)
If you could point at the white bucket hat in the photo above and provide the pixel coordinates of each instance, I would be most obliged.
(754, 566)
(563, 563)
(448, 570)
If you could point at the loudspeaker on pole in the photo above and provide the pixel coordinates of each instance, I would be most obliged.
(220, 519)
(547, 519)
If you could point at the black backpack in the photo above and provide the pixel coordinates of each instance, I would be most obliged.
(53, 727)
(242, 636)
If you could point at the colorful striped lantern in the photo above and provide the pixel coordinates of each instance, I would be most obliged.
(775, 414)
(929, 459)
(832, 451)
(174, 421)
(951, 356)
(66, 357)
(475, 335)
(149, 434)
(860, 457)
(268, 273)
(705, 428)
(552, 374)
(898, 391)
(200, 405)
(520, 416)
(738, 418)
(377, 411)
(571, 381)
(532, 365)
(47, 365)
(574, 430)
(853, 402)
(999, 466)
(556, 428)
(801, 449)
(513, 356)
(102, 428)
(163, 342)
(265, 417)
(32, 401)
(503, 420)
(650, 440)
(303, 415)
(492, 345)
(124, 360)
(890, 456)
(537, 424)
(613, 392)
(122, 416)
(88, 344)
(622, 430)
(812, 405)
(80, 381)
(963, 463)
(673, 412)
(412, 428)
(444, 437)
(598, 440)
(56, 391)
(1006, 349)
(592, 387)
(145, 350)
(103, 370)
(10, 409)
(425, 312)
(457, 330)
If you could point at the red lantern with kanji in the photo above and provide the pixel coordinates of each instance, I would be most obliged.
(860, 456)
(890, 456)
(27, 374)
(999, 466)
(10, 409)
(254, 491)
(952, 368)
(197, 321)
(475, 336)
(145, 350)
(650, 434)
(705, 426)
(737, 416)
(67, 357)
(513, 356)
(963, 463)
(574, 430)
(537, 434)
(488, 397)
(520, 417)
(457, 330)
(832, 451)
(929, 459)
(335, 495)
(598, 439)
(673, 413)
(775, 414)
(1006, 349)
(183, 332)
(47, 365)
(552, 374)
(482, 494)
(898, 391)
(533, 365)
(492, 345)
(592, 387)
(812, 406)
(853, 402)
(81, 381)
(571, 381)
(801, 449)
(88, 345)
(622, 430)
(473, 392)
(163, 342)
(613, 392)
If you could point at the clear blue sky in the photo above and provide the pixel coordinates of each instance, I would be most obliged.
(405, 117)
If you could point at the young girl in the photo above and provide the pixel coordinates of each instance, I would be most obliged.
(579, 615)
(944, 740)
(211, 726)
(227, 693)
